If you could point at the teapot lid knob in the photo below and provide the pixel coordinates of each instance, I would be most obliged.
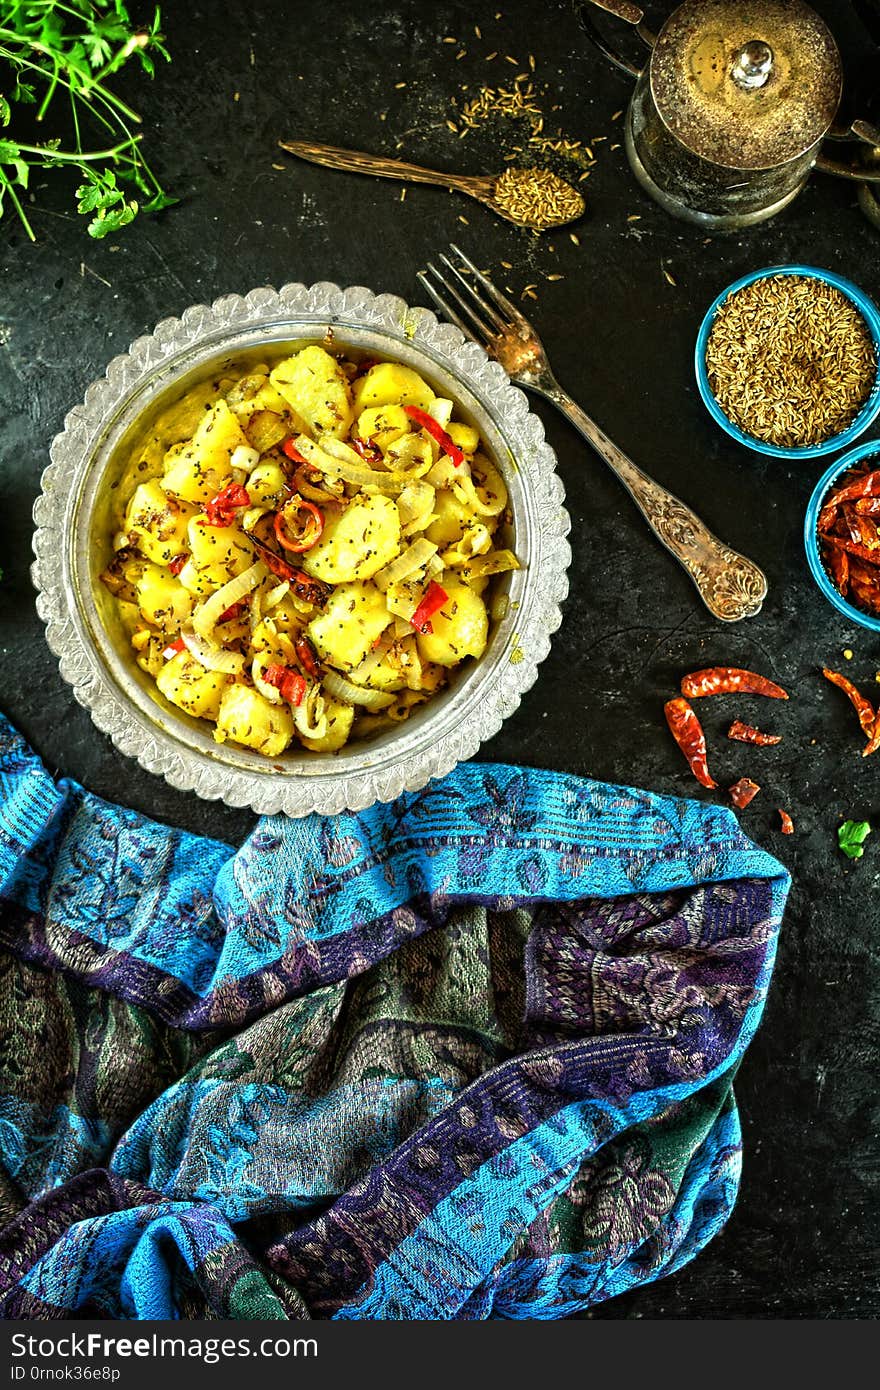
(753, 65)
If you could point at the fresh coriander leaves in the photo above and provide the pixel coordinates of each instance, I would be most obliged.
(74, 47)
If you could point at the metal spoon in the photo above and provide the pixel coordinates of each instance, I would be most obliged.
(483, 187)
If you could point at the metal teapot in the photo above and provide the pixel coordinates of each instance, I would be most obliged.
(729, 116)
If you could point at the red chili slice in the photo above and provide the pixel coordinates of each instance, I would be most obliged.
(727, 680)
(437, 432)
(291, 451)
(787, 826)
(368, 450)
(311, 529)
(177, 564)
(220, 511)
(743, 791)
(291, 684)
(688, 733)
(434, 599)
(173, 648)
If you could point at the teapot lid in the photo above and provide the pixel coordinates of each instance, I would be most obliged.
(746, 84)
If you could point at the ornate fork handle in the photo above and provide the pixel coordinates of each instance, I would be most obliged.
(731, 586)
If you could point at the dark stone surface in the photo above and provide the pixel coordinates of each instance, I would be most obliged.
(804, 1238)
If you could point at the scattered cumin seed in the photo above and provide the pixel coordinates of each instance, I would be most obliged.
(671, 278)
(278, 166)
(532, 61)
(507, 265)
(450, 39)
(490, 56)
(462, 54)
(634, 217)
(402, 194)
(575, 238)
(398, 85)
(477, 31)
(617, 115)
(508, 59)
(790, 360)
(452, 126)
(464, 220)
(555, 277)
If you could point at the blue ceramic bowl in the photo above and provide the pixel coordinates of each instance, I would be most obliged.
(869, 410)
(811, 539)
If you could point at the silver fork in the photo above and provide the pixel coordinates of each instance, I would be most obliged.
(731, 586)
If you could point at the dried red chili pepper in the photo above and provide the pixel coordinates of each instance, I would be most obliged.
(837, 560)
(173, 648)
(863, 708)
(866, 485)
(787, 826)
(312, 526)
(307, 657)
(867, 506)
(312, 590)
(862, 529)
(873, 739)
(177, 564)
(220, 511)
(289, 449)
(688, 733)
(727, 680)
(434, 599)
(747, 733)
(743, 791)
(291, 684)
(865, 585)
(437, 432)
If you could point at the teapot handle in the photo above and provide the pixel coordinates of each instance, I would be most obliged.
(622, 9)
(868, 171)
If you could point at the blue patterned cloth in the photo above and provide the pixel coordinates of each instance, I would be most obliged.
(466, 1055)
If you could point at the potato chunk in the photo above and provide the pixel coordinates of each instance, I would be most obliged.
(316, 386)
(382, 423)
(199, 471)
(390, 383)
(157, 523)
(357, 542)
(162, 599)
(219, 553)
(340, 718)
(247, 718)
(461, 627)
(451, 519)
(185, 682)
(354, 616)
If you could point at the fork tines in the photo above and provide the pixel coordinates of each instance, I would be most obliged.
(468, 298)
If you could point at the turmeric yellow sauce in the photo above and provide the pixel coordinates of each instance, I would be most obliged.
(308, 559)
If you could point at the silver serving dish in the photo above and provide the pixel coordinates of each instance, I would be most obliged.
(72, 544)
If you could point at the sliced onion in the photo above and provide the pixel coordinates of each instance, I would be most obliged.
(408, 562)
(341, 689)
(310, 715)
(258, 668)
(206, 616)
(275, 595)
(490, 498)
(415, 506)
(476, 540)
(245, 458)
(441, 410)
(212, 658)
(337, 460)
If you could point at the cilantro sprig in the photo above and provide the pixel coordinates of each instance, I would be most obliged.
(66, 51)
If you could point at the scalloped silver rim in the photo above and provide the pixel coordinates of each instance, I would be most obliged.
(423, 749)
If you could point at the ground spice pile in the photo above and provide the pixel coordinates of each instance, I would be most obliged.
(790, 360)
(537, 198)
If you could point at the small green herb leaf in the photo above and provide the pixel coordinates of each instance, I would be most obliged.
(9, 151)
(851, 837)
